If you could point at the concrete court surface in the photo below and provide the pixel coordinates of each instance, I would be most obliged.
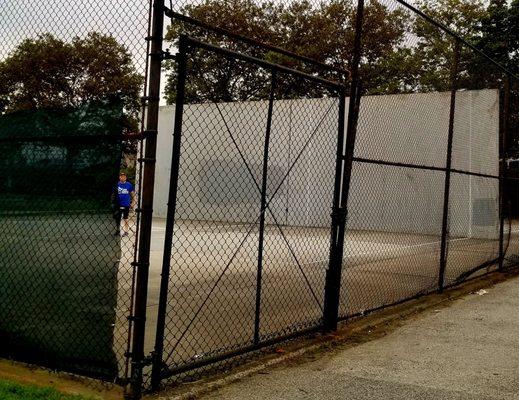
(465, 351)
(381, 268)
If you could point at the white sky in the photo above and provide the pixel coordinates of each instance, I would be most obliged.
(126, 20)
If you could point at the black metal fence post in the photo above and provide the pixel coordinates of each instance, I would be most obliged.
(505, 112)
(146, 210)
(333, 274)
(446, 195)
(263, 209)
(334, 271)
(170, 217)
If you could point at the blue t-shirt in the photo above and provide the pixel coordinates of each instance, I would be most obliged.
(123, 191)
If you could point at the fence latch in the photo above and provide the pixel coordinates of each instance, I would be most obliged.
(134, 318)
(137, 264)
(163, 55)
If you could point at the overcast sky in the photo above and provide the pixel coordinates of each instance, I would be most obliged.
(126, 20)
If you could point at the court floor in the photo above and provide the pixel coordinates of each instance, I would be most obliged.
(213, 279)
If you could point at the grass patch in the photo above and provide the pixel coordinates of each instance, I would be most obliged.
(15, 391)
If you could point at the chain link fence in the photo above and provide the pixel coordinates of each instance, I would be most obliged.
(326, 163)
(72, 74)
(426, 209)
(425, 199)
(248, 229)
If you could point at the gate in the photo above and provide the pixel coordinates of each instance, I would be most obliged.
(256, 172)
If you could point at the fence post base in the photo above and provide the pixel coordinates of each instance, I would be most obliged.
(332, 289)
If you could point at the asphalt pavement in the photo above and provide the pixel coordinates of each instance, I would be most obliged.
(465, 351)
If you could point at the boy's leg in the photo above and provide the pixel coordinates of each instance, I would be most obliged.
(126, 214)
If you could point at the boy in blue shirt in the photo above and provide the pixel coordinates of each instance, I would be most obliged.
(124, 201)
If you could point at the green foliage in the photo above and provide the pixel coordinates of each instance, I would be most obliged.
(402, 52)
(14, 391)
(434, 52)
(48, 72)
(500, 40)
(322, 31)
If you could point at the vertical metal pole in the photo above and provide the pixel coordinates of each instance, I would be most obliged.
(446, 194)
(263, 209)
(339, 217)
(505, 107)
(146, 210)
(333, 273)
(170, 218)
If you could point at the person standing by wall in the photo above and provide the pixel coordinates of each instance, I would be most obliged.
(124, 202)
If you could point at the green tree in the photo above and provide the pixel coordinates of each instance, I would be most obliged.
(493, 40)
(434, 49)
(48, 72)
(323, 32)
(211, 77)
(492, 28)
(500, 40)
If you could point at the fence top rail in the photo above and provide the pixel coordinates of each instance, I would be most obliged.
(456, 36)
(181, 17)
(192, 42)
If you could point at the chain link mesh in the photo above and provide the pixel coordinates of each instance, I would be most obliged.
(426, 209)
(67, 280)
(252, 227)
(404, 162)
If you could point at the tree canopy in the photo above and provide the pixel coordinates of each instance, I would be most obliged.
(48, 72)
(401, 52)
(49, 75)
(323, 32)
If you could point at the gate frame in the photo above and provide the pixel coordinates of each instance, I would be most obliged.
(185, 44)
